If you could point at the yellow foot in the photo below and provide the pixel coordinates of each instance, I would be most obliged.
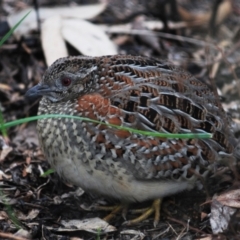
(146, 213)
(113, 213)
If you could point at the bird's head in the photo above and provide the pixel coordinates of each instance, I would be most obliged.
(66, 79)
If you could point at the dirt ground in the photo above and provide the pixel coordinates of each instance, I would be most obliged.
(200, 36)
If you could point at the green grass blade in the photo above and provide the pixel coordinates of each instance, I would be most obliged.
(10, 212)
(132, 130)
(9, 33)
(48, 172)
(2, 125)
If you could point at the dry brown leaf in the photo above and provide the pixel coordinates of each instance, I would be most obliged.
(150, 40)
(230, 198)
(5, 149)
(87, 38)
(30, 23)
(5, 87)
(3, 215)
(93, 225)
(205, 238)
(220, 216)
(53, 44)
(138, 234)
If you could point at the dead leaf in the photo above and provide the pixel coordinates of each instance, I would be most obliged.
(30, 216)
(138, 234)
(87, 38)
(93, 225)
(3, 215)
(30, 23)
(53, 44)
(150, 40)
(5, 149)
(5, 87)
(220, 216)
(230, 198)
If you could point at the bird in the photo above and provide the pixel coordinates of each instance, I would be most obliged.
(133, 92)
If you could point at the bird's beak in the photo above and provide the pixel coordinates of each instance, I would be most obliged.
(37, 91)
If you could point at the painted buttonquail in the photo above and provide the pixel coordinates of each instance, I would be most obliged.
(137, 92)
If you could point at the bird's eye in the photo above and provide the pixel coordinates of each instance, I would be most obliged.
(66, 81)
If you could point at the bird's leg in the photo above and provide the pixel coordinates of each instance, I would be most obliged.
(123, 207)
(114, 210)
(146, 212)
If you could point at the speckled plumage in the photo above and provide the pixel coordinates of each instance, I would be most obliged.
(136, 92)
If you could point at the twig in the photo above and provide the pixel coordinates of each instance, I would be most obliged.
(11, 236)
(186, 225)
